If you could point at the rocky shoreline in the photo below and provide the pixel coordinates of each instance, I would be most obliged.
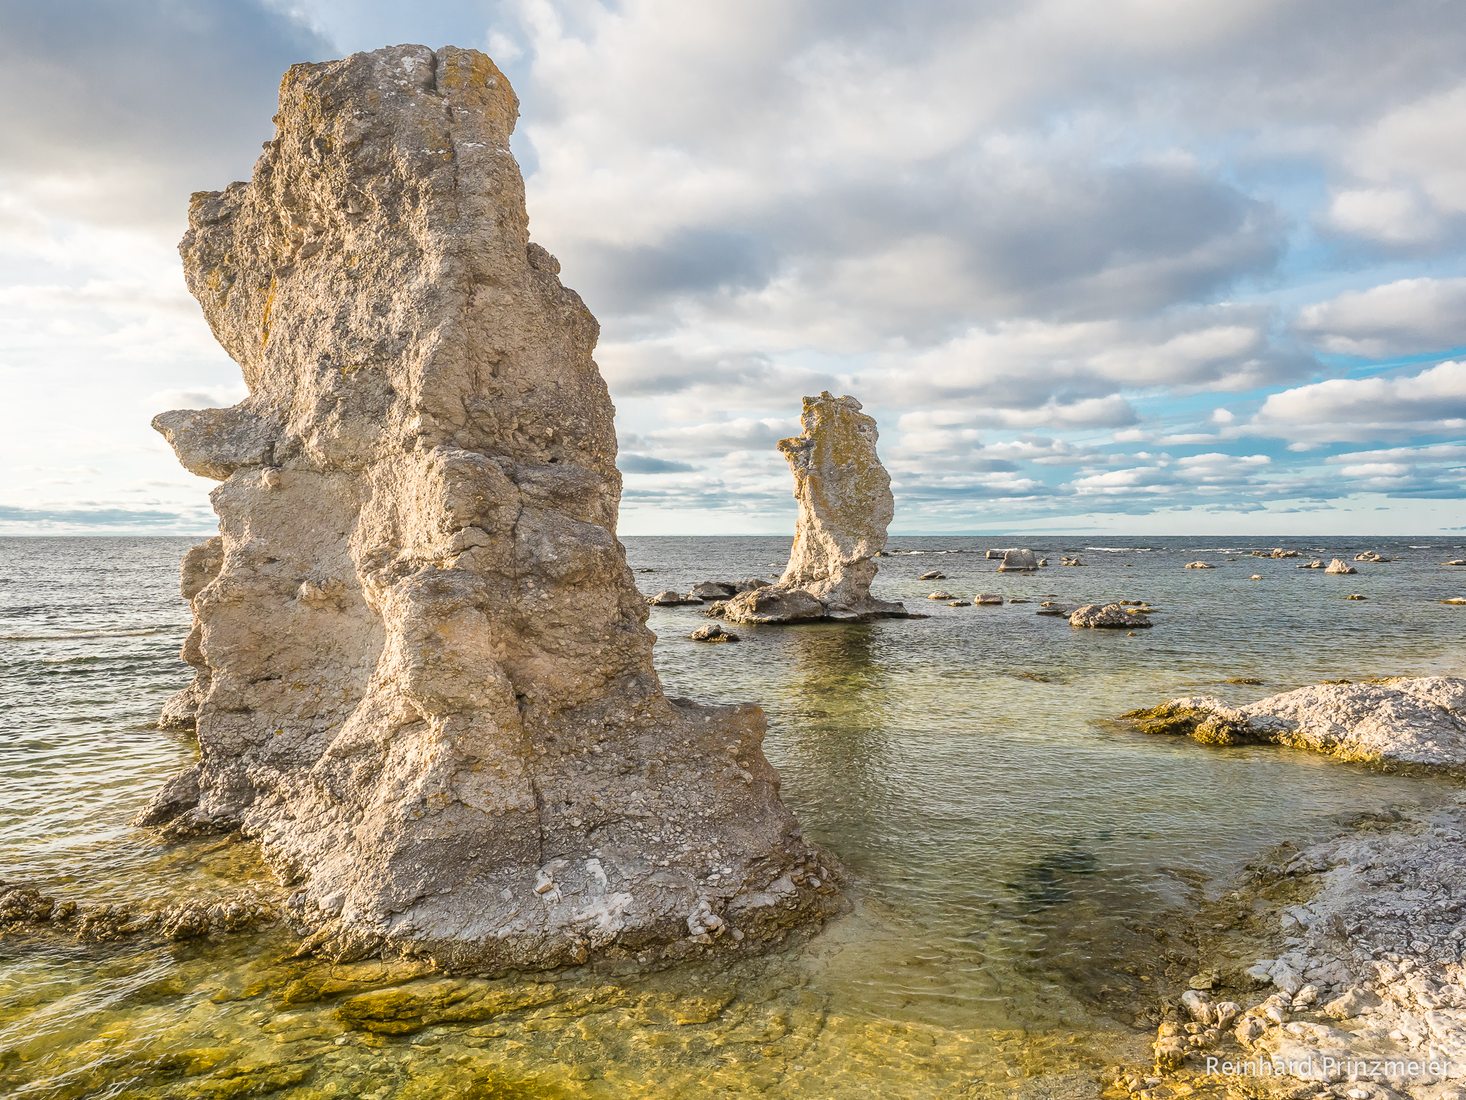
(1332, 971)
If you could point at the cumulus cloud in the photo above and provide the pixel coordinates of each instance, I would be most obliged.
(1404, 317)
(1431, 402)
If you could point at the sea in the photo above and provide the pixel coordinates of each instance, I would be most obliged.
(1021, 864)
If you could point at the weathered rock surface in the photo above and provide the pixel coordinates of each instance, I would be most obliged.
(425, 673)
(1018, 561)
(712, 590)
(26, 910)
(668, 597)
(1340, 567)
(712, 632)
(1111, 616)
(845, 506)
(1362, 995)
(1419, 721)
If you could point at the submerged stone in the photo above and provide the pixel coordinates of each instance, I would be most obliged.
(425, 679)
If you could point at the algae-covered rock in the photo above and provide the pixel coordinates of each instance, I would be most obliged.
(405, 1009)
(1419, 721)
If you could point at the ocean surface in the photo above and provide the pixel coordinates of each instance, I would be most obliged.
(1018, 860)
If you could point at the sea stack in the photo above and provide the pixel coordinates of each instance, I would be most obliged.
(425, 678)
(845, 506)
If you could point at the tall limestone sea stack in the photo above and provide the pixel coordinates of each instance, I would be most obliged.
(845, 506)
(425, 678)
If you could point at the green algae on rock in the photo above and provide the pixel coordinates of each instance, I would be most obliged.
(1418, 721)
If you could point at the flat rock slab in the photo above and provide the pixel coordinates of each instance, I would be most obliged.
(1419, 721)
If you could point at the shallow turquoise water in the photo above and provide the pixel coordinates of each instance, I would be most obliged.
(1017, 863)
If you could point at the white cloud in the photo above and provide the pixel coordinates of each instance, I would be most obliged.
(1431, 402)
(1399, 318)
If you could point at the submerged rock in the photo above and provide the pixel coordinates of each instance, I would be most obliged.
(845, 505)
(27, 910)
(1418, 721)
(427, 681)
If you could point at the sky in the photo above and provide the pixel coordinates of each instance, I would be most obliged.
(1147, 266)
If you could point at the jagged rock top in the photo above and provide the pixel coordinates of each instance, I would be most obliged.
(424, 674)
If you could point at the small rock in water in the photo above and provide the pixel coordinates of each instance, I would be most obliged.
(1111, 615)
(941, 596)
(1355, 596)
(669, 598)
(933, 575)
(1018, 561)
(1339, 567)
(1199, 565)
(991, 598)
(713, 632)
(712, 590)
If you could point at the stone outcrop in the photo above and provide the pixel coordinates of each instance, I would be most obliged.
(425, 676)
(1110, 616)
(1363, 969)
(845, 506)
(1018, 561)
(1420, 721)
(1340, 567)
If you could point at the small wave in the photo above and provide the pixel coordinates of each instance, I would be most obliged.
(83, 634)
(1121, 549)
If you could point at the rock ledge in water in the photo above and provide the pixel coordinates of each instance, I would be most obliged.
(1420, 721)
(425, 677)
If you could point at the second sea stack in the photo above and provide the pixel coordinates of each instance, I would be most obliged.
(845, 506)
(425, 680)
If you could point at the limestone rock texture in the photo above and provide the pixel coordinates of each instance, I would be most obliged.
(1417, 720)
(425, 679)
(845, 506)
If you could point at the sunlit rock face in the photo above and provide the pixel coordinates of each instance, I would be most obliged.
(425, 680)
(845, 506)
